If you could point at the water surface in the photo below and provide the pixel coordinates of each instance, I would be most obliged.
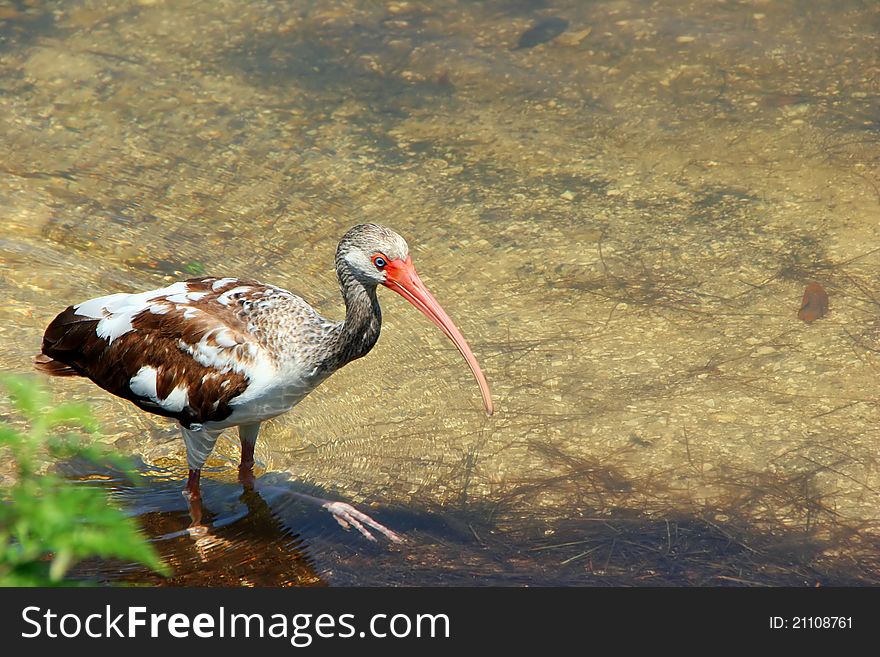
(621, 216)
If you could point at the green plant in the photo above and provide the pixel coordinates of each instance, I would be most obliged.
(195, 268)
(48, 523)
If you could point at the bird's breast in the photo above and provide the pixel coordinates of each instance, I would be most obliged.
(272, 390)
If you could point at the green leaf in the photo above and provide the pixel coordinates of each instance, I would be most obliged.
(48, 523)
(60, 564)
(9, 437)
(29, 399)
(195, 267)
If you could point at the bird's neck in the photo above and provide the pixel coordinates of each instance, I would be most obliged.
(356, 335)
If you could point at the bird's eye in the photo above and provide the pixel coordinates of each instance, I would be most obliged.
(380, 262)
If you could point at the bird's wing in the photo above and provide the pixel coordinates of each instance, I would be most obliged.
(184, 351)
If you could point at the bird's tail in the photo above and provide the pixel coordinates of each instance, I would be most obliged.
(49, 365)
(63, 344)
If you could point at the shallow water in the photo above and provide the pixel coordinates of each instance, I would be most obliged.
(621, 217)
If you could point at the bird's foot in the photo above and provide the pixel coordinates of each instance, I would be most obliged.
(200, 533)
(347, 516)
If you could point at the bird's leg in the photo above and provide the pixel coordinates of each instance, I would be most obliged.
(247, 433)
(193, 495)
(199, 444)
(192, 490)
(246, 468)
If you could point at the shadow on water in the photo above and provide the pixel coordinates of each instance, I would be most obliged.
(268, 537)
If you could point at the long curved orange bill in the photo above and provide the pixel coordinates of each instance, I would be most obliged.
(401, 277)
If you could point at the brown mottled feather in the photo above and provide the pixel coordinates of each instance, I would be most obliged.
(71, 346)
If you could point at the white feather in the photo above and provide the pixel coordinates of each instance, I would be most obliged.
(143, 384)
(226, 297)
(116, 311)
(223, 282)
(176, 400)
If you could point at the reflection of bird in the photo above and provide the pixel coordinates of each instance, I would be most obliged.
(216, 353)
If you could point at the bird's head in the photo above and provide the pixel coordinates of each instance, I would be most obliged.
(366, 251)
(376, 255)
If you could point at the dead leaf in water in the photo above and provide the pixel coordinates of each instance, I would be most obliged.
(814, 304)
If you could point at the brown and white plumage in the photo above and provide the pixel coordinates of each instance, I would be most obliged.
(214, 353)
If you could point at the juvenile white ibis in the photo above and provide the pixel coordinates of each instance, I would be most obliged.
(214, 353)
